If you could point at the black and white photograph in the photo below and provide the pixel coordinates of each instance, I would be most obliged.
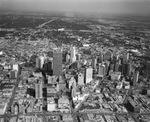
(74, 60)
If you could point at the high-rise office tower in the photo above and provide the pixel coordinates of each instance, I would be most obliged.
(100, 59)
(71, 81)
(46, 60)
(121, 60)
(101, 70)
(117, 67)
(67, 58)
(57, 63)
(124, 69)
(38, 62)
(107, 56)
(73, 54)
(136, 77)
(115, 58)
(42, 59)
(39, 90)
(107, 63)
(78, 64)
(125, 58)
(47, 66)
(78, 57)
(80, 79)
(94, 62)
(120, 68)
(88, 75)
(74, 89)
(112, 66)
(129, 69)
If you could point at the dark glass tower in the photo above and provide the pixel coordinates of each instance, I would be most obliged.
(57, 63)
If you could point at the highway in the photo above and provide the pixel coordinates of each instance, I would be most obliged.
(40, 26)
(12, 97)
(57, 114)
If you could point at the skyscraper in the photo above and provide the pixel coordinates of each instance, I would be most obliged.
(78, 57)
(67, 58)
(39, 90)
(38, 62)
(125, 58)
(120, 68)
(129, 69)
(57, 63)
(74, 88)
(73, 54)
(100, 58)
(42, 60)
(115, 58)
(94, 62)
(101, 70)
(47, 66)
(107, 56)
(117, 67)
(80, 79)
(88, 75)
(112, 66)
(136, 77)
(107, 63)
(124, 69)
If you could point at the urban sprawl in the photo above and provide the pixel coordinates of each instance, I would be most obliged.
(66, 69)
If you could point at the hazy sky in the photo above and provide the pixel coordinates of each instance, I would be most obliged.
(94, 6)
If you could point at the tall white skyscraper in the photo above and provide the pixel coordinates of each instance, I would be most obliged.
(88, 75)
(42, 59)
(80, 79)
(136, 77)
(73, 54)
